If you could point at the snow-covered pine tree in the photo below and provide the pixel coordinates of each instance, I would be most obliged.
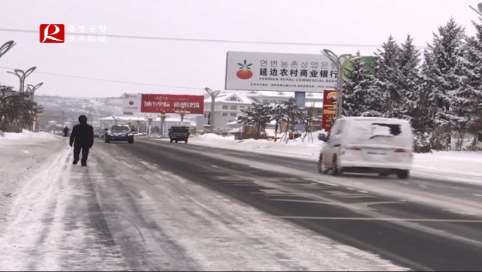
(470, 100)
(357, 89)
(423, 113)
(450, 81)
(386, 96)
(408, 81)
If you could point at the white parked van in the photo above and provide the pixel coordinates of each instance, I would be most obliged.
(368, 145)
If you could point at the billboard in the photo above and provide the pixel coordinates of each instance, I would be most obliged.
(279, 72)
(329, 109)
(170, 103)
(131, 103)
(369, 64)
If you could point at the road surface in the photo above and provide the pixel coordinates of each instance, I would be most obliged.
(409, 233)
(153, 205)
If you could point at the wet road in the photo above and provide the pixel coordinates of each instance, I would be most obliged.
(408, 233)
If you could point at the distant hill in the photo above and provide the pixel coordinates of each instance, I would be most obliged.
(72, 107)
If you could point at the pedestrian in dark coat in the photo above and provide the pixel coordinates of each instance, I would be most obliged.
(66, 131)
(82, 138)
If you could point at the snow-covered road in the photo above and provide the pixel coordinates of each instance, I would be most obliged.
(122, 212)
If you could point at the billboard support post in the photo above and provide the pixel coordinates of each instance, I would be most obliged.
(213, 95)
(149, 123)
(163, 117)
(340, 62)
(182, 114)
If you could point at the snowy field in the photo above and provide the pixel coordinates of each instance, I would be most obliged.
(453, 166)
(21, 155)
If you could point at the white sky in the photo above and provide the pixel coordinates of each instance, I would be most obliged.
(356, 23)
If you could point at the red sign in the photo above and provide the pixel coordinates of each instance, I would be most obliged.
(52, 33)
(329, 109)
(170, 103)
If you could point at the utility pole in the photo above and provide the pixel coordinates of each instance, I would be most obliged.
(213, 95)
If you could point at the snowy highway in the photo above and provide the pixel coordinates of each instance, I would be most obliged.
(153, 205)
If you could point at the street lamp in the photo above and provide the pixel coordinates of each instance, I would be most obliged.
(478, 10)
(31, 89)
(5, 47)
(340, 62)
(213, 95)
(22, 75)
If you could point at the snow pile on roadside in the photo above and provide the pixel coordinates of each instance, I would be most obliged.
(26, 136)
(306, 149)
(450, 163)
(22, 155)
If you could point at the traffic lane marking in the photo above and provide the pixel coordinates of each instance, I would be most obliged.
(351, 206)
(381, 219)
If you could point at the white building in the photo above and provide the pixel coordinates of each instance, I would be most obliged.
(229, 105)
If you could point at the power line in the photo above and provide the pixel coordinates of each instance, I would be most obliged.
(203, 40)
(111, 80)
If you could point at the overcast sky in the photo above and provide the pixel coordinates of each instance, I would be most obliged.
(357, 24)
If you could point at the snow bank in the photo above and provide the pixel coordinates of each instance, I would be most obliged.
(455, 166)
(307, 149)
(467, 165)
(21, 156)
(26, 136)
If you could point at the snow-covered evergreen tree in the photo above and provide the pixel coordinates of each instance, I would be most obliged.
(450, 75)
(357, 89)
(470, 99)
(423, 112)
(387, 98)
(408, 81)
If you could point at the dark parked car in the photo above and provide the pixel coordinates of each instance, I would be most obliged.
(119, 133)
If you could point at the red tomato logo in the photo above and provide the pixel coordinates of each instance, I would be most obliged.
(244, 70)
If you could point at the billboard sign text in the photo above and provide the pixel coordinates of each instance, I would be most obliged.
(329, 109)
(279, 72)
(170, 103)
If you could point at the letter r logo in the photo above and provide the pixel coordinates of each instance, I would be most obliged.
(52, 33)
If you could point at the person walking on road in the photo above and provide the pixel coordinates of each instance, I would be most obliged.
(66, 131)
(82, 138)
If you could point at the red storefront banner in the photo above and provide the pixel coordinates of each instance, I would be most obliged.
(170, 103)
(329, 109)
